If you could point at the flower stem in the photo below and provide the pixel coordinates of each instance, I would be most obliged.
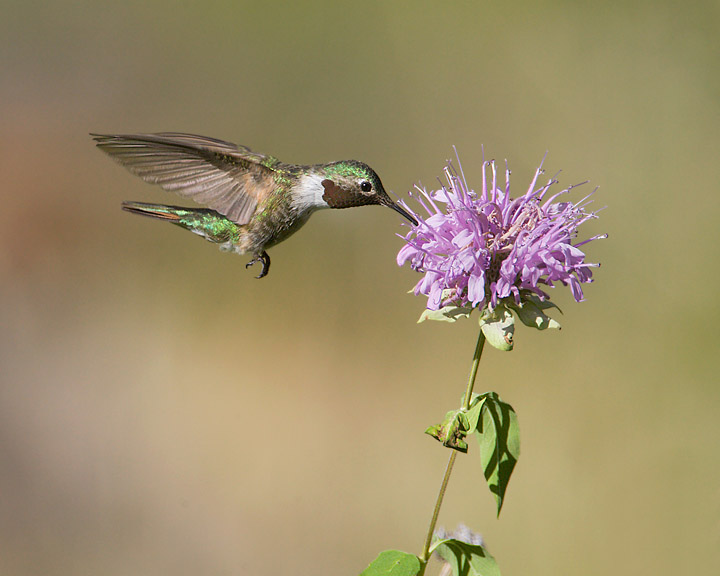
(425, 556)
(473, 370)
(428, 539)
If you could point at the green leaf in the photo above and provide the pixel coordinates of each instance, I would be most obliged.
(445, 314)
(499, 437)
(472, 416)
(393, 563)
(527, 295)
(533, 316)
(466, 559)
(498, 327)
(451, 431)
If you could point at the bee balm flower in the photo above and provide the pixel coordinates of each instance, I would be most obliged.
(491, 251)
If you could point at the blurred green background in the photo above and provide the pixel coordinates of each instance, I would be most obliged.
(163, 412)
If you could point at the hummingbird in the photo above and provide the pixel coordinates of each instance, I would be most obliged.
(252, 201)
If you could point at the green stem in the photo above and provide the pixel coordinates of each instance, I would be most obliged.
(428, 539)
(425, 556)
(473, 370)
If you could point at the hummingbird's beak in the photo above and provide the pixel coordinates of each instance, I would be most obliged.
(399, 209)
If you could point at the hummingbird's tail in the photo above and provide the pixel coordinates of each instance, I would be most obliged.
(171, 213)
(202, 221)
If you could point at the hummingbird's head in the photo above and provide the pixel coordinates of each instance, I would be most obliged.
(351, 183)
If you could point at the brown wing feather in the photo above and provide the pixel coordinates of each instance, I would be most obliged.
(228, 178)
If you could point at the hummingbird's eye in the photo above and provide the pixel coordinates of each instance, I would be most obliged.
(365, 186)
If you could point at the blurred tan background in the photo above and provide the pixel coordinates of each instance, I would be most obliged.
(163, 412)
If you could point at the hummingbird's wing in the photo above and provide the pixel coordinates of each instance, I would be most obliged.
(228, 178)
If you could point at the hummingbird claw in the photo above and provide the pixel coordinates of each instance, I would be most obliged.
(265, 259)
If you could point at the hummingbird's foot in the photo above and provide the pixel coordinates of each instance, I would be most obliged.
(265, 259)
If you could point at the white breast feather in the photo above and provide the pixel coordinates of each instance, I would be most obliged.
(308, 193)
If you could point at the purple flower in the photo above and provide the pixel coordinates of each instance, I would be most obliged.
(478, 249)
